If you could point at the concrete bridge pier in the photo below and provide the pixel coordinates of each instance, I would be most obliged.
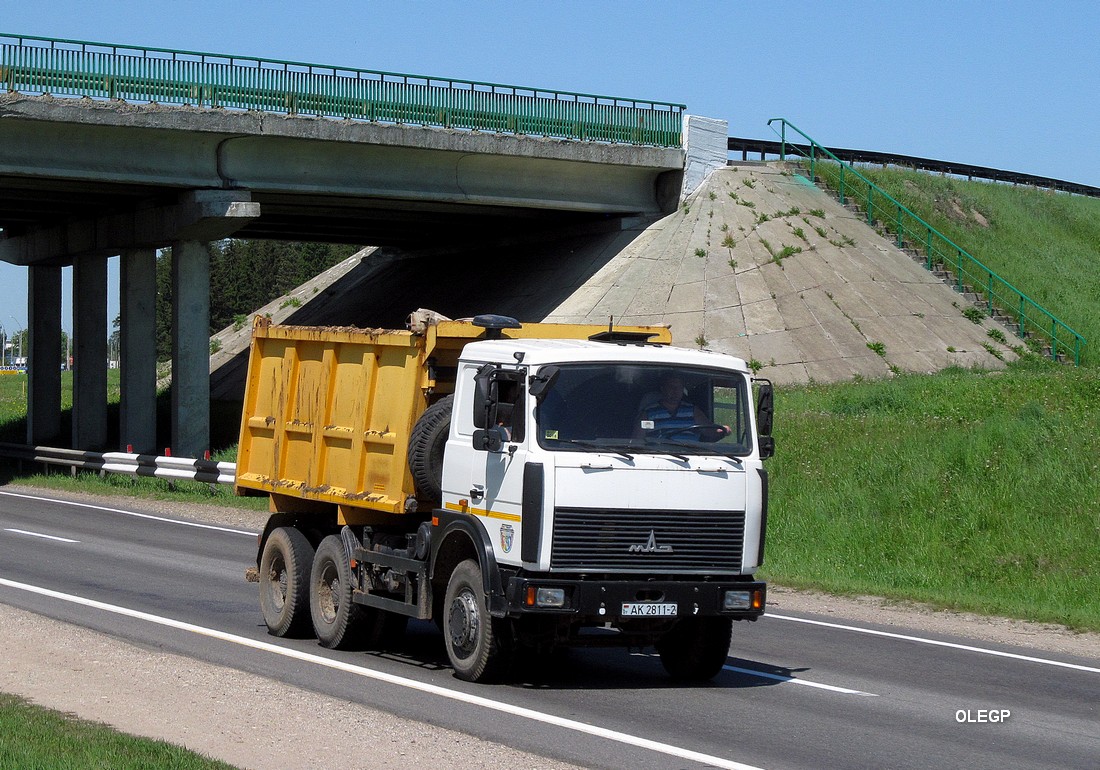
(89, 352)
(43, 371)
(190, 348)
(138, 351)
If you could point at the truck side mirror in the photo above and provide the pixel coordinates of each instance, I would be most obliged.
(487, 440)
(543, 381)
(767, 447)
(483, 398)
(765, 408)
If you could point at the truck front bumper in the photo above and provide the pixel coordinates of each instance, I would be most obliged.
(616, 599)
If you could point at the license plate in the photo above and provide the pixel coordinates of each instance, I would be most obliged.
(648, 610)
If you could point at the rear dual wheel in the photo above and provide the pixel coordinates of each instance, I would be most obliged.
(284, 582)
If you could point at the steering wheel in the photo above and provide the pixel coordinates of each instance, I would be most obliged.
(719, 430)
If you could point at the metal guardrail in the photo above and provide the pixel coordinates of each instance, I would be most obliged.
(152, 466)
(42, 65)
(775, 147)
(999, 296)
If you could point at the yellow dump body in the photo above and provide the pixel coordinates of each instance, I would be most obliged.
(328, 410)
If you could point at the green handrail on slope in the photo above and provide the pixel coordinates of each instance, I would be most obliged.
(129, 73)
(999, 294)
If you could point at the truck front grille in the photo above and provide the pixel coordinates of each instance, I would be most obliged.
(652, 541)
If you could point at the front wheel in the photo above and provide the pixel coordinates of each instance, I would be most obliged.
(695, 649)
(477, 644)
(338, 621)
(284, 582)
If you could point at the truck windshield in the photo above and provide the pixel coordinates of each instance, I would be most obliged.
(639, 408)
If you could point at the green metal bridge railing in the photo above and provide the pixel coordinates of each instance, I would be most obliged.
(102, 70)
(999, 297)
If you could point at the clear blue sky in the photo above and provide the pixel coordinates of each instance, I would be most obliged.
(1005, 84)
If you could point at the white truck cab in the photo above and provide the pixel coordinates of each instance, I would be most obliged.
(619, 485)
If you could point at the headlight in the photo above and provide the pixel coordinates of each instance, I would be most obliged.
(737, 600)
(545, 597)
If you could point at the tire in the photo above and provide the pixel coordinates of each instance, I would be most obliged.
(337, 620)
(477, 644)
(695, 649)
(284, 582)
(426, 444)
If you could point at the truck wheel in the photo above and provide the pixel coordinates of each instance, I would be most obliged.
(695, 649)
(426, 443)
(284, 582)
(337, 620)
(477, 643)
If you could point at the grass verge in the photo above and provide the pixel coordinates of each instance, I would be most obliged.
(34, 738)
(969, 490)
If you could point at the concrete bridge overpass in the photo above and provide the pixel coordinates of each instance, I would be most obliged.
(151, 155)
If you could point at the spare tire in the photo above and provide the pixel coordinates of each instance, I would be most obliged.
(426, 443)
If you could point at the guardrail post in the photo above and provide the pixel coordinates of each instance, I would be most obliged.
(783, 140)
(870, 203)
(841, 184)
(989, 293)
(813, 177)
(928, 250)
(958, 270)
(900, 239)
(1023, 318)
(1054, 340)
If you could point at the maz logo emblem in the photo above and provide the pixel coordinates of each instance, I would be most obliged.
(650, 546)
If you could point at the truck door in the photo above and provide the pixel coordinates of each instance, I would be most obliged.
(498, 436)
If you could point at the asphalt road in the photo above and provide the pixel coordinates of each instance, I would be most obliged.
(800, 691)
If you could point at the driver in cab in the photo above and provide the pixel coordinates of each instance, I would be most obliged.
(671, 414)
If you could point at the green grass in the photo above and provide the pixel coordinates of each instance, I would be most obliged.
(1045, 244)
(33, 738)
(969, 490)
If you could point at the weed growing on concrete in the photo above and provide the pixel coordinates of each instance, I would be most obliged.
(290, 302)
(761, 218)
(701, 341)
(768, 246)
(728, 242)
(785, 252)
(712, 195)
(950, 348)
(747, 204)
(215, 345)
(821, 231)
(972, 314)
(239, 321)
(733, 264)
(817, 213)
(878, 348)
(801, 234)
(700, 252)
(998, 336)
(895, 370)
(993, 351)
(724, 228)
(748, 183)
(844, 241)
(732, 194)
(755, 365)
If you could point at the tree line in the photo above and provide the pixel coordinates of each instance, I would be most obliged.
(244, 276)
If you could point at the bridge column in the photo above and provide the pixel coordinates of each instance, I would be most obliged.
(190, 348)
(90, 352)
(138, 367)
(44, 355)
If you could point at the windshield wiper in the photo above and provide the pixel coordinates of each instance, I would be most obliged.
(704, 449)
(600, 447)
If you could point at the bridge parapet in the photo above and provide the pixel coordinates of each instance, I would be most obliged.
(37, 65)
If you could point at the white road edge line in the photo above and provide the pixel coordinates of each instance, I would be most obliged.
(795, 680)
(181, 522)
(39, 534)
(937, 643)
(431, 689)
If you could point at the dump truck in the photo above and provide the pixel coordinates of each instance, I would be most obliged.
(526, 486)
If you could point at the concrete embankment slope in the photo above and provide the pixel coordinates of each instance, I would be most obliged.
(760, 264)
(718, 270)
